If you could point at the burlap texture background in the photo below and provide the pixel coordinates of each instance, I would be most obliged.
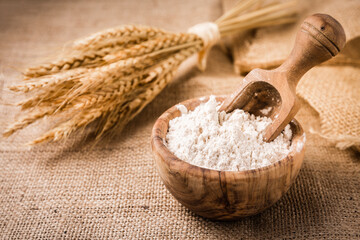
(74, 190)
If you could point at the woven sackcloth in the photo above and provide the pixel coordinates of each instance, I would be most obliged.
(77, 190)
(334, 92)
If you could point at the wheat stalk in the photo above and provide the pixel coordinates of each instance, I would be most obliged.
(156, 45)
(110, 76)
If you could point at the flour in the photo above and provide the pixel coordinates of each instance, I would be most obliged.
(182, 109)
(234, 141)
(300, 144)
(266, 111)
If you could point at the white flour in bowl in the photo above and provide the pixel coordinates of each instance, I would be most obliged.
(233, 141)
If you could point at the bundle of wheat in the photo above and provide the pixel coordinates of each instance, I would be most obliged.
(112, 75)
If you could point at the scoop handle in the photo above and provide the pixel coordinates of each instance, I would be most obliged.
(320, 38)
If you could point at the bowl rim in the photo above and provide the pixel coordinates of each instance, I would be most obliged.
(169, 158)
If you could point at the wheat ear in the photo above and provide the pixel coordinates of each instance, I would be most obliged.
(118, 36)
(122, 109)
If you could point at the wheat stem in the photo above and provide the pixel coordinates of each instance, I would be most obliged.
(168, 43)
(265, 14)
(239, 7)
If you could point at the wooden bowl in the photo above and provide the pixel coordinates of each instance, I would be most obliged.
(224, 195)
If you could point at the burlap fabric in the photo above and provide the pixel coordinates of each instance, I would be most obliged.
(74, 190)
(334, 92)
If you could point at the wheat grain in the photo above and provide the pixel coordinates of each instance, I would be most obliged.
(65, 129)
(91, 58)
(155, 83)
(123, 114)
(123, 85)
(49, 80)
(46, 97)
(27, 120)
(119, 36)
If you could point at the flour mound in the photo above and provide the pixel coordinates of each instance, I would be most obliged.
(234, 141)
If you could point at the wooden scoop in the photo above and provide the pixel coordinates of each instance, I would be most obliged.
(272, 93)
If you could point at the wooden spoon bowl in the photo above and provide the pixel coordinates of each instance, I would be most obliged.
(224, 195)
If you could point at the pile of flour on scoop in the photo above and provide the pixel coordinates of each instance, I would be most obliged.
(233, 141)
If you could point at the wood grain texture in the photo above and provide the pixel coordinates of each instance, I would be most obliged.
(319, 38)
(223, 195)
